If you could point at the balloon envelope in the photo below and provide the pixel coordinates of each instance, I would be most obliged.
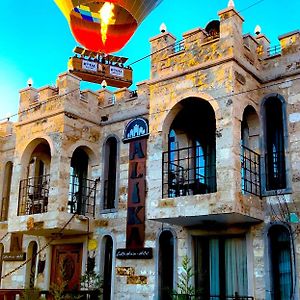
(103, 26)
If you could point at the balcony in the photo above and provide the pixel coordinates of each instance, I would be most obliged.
(70, 213)
(188, 171)
(33, 195)
(82, 196)
(190, 196)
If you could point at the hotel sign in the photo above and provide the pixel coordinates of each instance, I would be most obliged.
(11, 256)
(145, 253)
(136, 129)
(115, 71)
(136, 133)
(89, 66)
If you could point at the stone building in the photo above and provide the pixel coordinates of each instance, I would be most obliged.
(203, 161)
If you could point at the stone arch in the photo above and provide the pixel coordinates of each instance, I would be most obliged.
(31, 148)
(89, 148)
(175, 109)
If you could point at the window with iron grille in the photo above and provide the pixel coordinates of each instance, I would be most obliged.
(82, 191)
(6, 191)
(250, 158)
(275, 166)
(188, 171)
(282, 285)
(110, 173)
(33, 195)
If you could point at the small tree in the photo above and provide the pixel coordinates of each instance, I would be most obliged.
(31, 294)
(185, 288)
(57, 289)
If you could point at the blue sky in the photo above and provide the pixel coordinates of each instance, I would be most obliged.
(36, 41)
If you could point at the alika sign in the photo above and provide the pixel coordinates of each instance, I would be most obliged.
(136, 133)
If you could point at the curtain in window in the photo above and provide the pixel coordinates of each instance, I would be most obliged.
(285, 271)
(281, 263)
(236, 267)
(214, 267)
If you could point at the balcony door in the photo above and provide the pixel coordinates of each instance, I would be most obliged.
(221, 267)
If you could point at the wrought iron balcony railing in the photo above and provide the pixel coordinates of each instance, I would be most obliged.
(33, 195)
(209, 297)
(187, 171)
(82, 196)
(250, 171)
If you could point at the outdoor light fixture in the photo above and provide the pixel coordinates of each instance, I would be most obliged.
(30, 82)
(163, 28)
(104, 84)
(230, 3)
(257, 30)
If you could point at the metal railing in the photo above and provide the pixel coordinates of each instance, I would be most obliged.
(179, 46)
(14, 294)
(133, 94)
(250, 171)
(82, 196)
(109, 194)
(274, 50)
(33, 195)
(209, 297)
(186, 171)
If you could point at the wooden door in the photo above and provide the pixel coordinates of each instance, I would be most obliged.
(66, 265)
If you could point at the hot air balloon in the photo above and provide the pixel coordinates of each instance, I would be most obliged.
(103, 26)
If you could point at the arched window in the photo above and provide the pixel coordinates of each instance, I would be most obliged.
(281, 263)
(31, 266)
(107, 267)
(6, 191)
(110, 173)
(275, 165)
(250, 156)
(189, 165)
(78, 182)
(34, 189)
(166, 265)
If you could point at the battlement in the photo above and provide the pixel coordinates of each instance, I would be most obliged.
(67, 97)
(220, 41)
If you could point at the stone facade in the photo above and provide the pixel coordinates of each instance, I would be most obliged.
(221, 77)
